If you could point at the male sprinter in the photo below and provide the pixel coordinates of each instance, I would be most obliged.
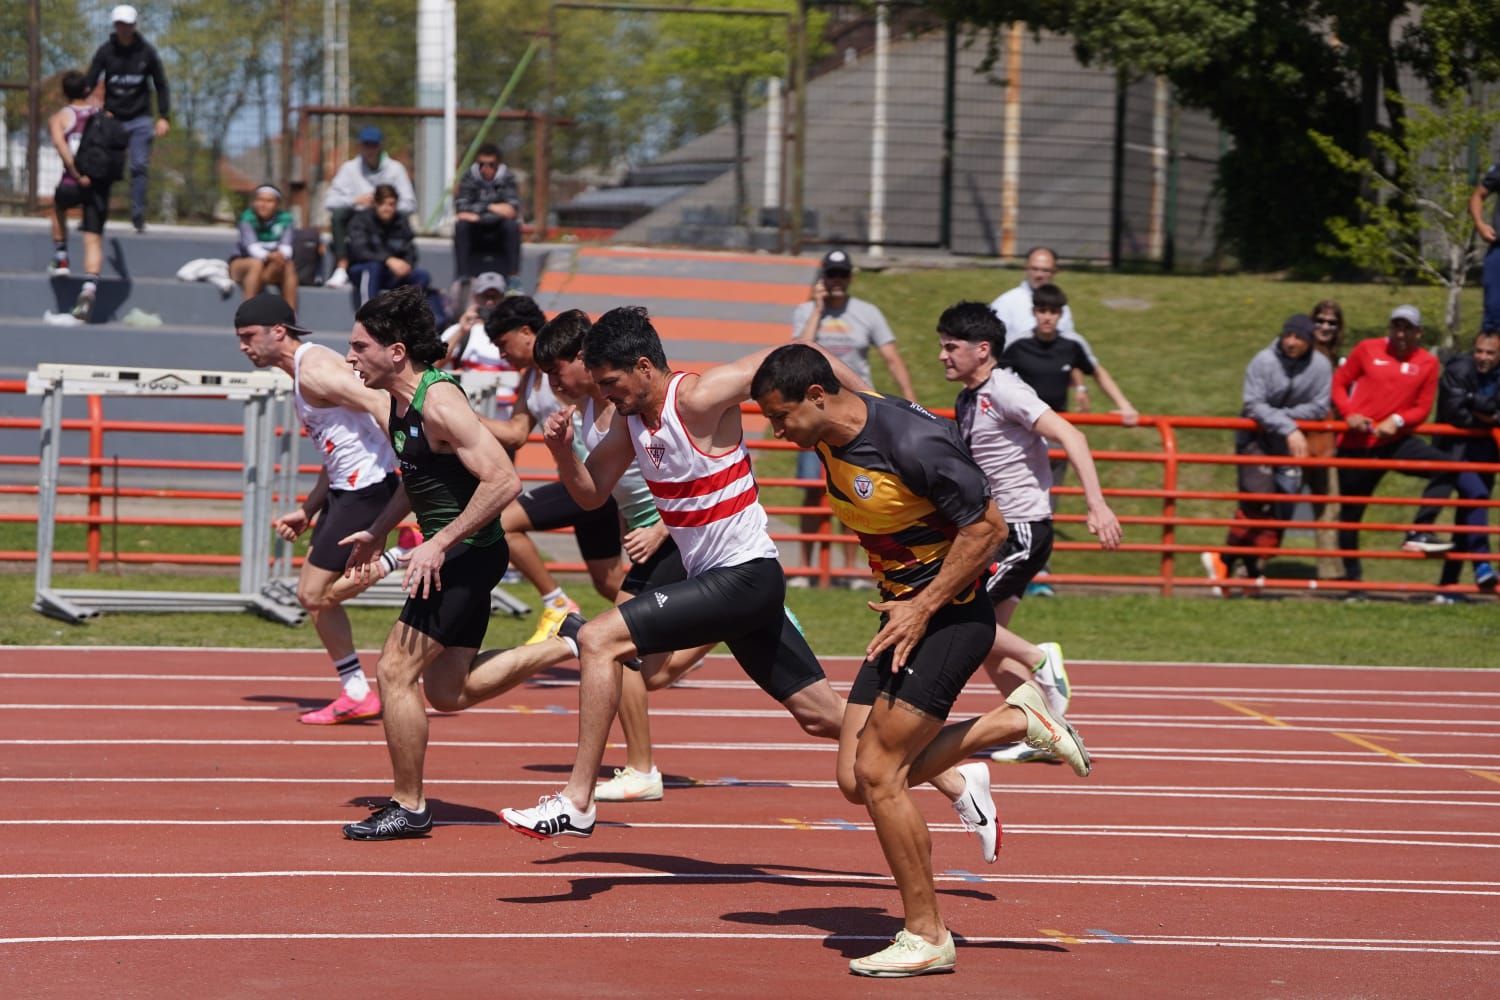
(456, 478)
(683, 431)
(1007, 427)
(902, 480)
(343, 418)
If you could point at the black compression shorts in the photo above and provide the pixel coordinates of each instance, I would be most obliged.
(94, 199)
(550, 506)
(957, 640)
(664, 567)
(1024, 554)
(344, 513)
(459, 614)
(740, 606)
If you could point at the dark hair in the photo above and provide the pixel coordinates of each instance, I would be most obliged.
(384, 191)
(1049, 297)
(560, 339)
(791, 371)
(512, 313)
(1330, 306)
(489, 149)
(974, 322)
(1485, 333)
(621, 337)
(75, 85)
(402, 316)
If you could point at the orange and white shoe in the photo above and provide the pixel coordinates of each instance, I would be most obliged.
(344, 709)
(907, 955)
(1044, 731)
(630, 785)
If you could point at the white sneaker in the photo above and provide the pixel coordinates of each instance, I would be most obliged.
(338, 279)
(907, 955)
(976, 808)
(554, 816)
(1045, 732)
(630, 785)
(1052, 678)
(1020, 753)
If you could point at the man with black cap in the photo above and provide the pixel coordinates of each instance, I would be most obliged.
(847, 328)
(353, 190)
(1384, 390)
(342, 417)
(132, 70)
(1286, 382)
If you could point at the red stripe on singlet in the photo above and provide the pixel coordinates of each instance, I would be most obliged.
(708, 515)
(702, 485)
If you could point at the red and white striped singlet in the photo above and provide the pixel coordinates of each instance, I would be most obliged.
(709, 503)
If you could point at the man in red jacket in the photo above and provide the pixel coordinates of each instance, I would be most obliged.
(1384, 390)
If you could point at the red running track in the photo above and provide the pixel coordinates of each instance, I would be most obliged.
(1248, 831)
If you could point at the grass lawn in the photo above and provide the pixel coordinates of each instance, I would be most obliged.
(1175, 345)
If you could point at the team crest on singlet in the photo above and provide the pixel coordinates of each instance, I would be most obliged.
(864, 487)
(400, 441)
(656, 452)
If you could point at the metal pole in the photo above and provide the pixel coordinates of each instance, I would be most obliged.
(1156, 232)
(542, 183)
(950, 133)
(33, 98)
(46, 514)
(799, 124)
(1117, 186)
(877, 131)
(248, 485)
(770, 199)
(286, 98)
(1010, 158)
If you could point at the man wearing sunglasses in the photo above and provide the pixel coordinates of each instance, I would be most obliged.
(487, 226)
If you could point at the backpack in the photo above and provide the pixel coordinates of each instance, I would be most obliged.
(101, 149)
(307, 255)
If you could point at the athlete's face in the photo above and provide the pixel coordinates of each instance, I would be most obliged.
(800, 423)
(961, 359)
(629, 389)
(570, 380)
(1486, 352)
(260, 344)
(515, 347)
(371, 360)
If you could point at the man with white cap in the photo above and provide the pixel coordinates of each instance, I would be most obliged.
(1384, 390)
(132, 70)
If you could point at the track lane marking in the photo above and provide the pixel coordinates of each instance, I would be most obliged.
(1393, 755)
(1269, 720)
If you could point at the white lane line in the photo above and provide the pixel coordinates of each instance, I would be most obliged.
(1394, 946)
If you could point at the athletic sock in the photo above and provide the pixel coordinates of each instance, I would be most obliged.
(556, 599)
(393, 557)
(352, 676)
(90, 282)
(572, 645)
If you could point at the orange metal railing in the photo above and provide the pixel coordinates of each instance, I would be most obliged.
(1167, 454)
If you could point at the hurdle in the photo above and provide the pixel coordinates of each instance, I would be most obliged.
(258, 391)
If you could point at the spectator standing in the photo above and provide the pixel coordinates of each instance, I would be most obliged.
(1488, 184)
(1384, 390)
(469, 345)
(132, 71)
(488, 217)
(1287, 382)
(1468, 396)
(383, 252)
(77, 189)
(352, 190)
(845, 327)
(1328, 336)
(1014, 307)
(264, 253)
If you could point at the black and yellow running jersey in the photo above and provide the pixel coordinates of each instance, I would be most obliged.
(438, 484)
(905, 485)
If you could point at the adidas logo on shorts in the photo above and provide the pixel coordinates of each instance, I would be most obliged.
(660, 598)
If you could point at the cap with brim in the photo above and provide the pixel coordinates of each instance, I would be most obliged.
(1409, 313)
(489, 281)
(1299, 325)
(370, 135)
(267, 309)
(123, 14)
(836, 262)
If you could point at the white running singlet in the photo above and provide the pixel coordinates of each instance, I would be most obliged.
(709, 503)
(351, 444)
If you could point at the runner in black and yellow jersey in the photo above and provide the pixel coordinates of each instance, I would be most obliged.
(902, 480)
(456, 478)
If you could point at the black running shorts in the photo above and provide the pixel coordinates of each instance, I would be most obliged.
(664, 567)
(740, 606)
(94, 199)
(459, 614)
(1023, 555)
(344, 513)
(958, 639)
(551, 506)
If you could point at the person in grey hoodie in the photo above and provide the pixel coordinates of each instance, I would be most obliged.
(487, 218)
(1286, 382)
(353, 190)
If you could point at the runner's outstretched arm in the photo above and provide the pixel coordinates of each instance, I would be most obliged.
(729, 384)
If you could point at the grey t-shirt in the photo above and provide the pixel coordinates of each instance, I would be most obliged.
(848, 333)
(998, 422)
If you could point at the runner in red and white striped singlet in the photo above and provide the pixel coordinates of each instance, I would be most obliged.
(709, 503)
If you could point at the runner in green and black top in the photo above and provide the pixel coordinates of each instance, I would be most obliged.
(456, 478)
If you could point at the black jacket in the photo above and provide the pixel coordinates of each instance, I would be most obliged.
(1462, 391)
(475, 194)
(127, 71)
(371, 240)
